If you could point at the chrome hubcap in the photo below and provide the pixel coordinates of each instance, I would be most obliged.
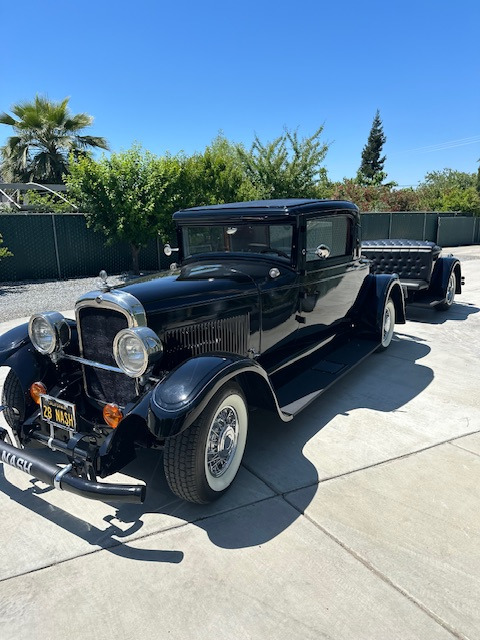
(222, 441)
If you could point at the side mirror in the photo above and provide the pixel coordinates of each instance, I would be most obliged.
(168, 250)
(322, 251)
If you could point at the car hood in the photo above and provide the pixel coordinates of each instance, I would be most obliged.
(193, 285)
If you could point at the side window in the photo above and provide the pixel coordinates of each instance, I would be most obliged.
(281, 238)
(334, 232)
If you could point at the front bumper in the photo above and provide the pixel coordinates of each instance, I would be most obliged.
(62, 478)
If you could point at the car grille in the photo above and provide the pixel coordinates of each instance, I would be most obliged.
(228, 335)
(98, 328)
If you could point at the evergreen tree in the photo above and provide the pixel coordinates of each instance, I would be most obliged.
(371, 169)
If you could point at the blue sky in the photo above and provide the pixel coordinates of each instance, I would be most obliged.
(172, 75)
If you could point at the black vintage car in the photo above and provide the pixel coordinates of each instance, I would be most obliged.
(270, 303)
(428, 278)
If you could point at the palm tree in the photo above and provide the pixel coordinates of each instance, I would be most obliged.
(46, 132)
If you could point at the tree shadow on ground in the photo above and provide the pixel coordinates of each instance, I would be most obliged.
(274, 464)
(11, 289)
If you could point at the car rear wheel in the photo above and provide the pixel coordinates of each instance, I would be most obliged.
(201, 462)
(388, 325)
(449, 294)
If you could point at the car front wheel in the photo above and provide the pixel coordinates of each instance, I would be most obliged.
(13, 400)
(201, 462)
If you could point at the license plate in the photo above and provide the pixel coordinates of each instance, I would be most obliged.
(58, 412)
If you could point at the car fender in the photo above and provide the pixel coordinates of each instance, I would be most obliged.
(18, 353)
(179, 399)
(376, 290)
(388, 286)
(441, 274)
(13, 340)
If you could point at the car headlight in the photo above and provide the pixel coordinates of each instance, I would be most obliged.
(49, 332)
(135, 349)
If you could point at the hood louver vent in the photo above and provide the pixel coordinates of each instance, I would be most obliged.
(228, 335)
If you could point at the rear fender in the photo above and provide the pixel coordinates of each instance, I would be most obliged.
(441, 274)
(376, 291)
(179, 399)
(395, 292)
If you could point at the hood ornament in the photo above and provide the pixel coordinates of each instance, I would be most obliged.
(104, 284)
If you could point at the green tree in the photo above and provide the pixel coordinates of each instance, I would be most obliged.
(129, 197)
(464, 200)
(286, 167)
(45, 134)
(47, 202)
(449, 190)
(4, 252)
(215, 176)
(376, 198)
(371, 168)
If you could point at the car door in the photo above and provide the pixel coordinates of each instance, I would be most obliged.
(332, 276)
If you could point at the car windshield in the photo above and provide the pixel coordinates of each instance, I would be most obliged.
(272, 239)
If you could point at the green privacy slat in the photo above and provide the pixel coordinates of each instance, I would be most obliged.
(82, 251)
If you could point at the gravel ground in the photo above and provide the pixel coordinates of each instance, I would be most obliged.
(21, 299)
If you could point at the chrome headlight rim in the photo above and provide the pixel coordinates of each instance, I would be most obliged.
(60, 331)
(151, 346)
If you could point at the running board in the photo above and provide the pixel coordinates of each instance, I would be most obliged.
(308, 380)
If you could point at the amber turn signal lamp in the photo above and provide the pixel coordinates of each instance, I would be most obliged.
(36, 390)
(112, 415)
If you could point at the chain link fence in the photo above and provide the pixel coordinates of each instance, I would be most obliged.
(49, 246)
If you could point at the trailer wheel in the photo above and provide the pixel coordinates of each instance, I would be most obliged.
(449, 294)
(201, 462)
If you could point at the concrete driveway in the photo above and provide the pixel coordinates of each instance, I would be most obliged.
(358, 520)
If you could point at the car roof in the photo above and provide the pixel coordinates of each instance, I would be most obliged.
(263, 209)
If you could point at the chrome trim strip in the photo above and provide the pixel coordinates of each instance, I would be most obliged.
(91, 363)
(117, 301)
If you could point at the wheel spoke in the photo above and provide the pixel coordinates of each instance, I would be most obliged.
(222, 441)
